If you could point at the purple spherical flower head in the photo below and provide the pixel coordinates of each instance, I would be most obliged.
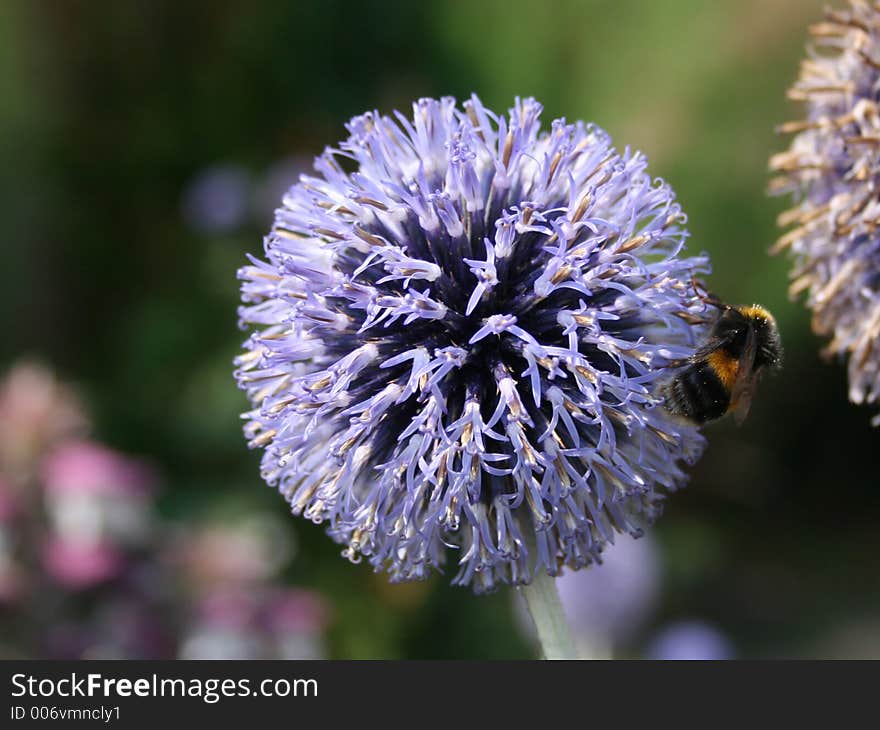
(457, 334)
(832, 169)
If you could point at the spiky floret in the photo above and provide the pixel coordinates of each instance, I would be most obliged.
(832, 168)
(457, 332)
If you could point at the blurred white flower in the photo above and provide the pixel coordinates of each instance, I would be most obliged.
(296, 619)
(224, 627)
(95, 495)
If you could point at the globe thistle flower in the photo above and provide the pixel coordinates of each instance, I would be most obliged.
(831, 170)
(456, 336)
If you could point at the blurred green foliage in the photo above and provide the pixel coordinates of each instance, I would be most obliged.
(108, 110)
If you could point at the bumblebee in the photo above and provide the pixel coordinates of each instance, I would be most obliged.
(723, 373)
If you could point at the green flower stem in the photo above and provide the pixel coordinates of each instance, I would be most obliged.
(542, 599)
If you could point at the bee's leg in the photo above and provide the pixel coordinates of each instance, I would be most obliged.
(705, 295)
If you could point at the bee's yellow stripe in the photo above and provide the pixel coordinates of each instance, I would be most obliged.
(725, 367)
(756, 311)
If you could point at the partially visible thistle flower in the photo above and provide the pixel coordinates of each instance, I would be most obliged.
(605, 608)
(690, 640)
(608, 606)
(832, 169)
(457, 334)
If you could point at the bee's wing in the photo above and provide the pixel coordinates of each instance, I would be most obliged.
(716, 343)
(713, 345)
(746, 379)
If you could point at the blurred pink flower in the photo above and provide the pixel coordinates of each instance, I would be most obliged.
(126, 626)
(236, 610)
(257, 623)
(87, 467)
(227, 608)
(296, 610)
(249, 551)
(296, 620)
(36, 411)
(224, 626)
(78, 565)
(8, 501)
(95, 495)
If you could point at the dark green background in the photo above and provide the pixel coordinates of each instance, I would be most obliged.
(108, 110)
